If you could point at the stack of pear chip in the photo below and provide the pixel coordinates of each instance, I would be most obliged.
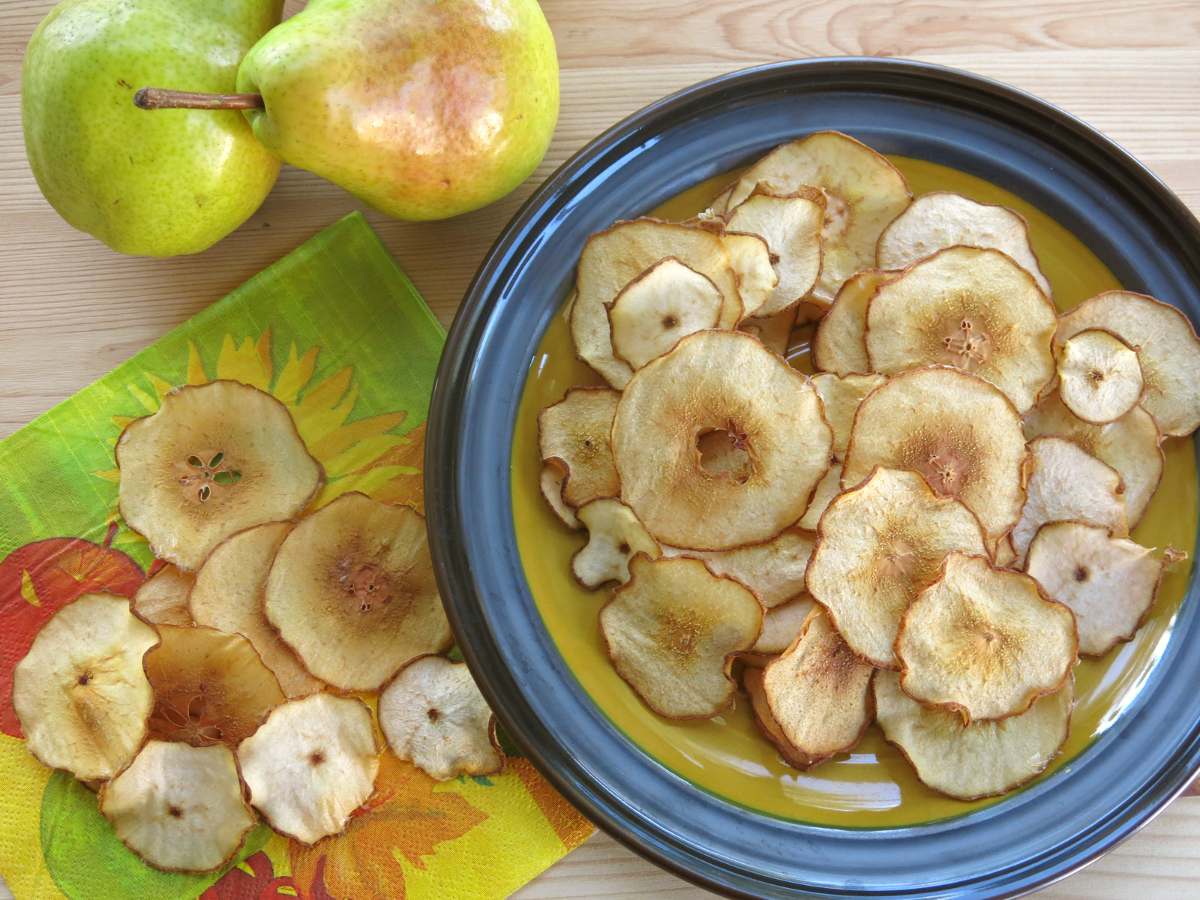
(232, 684)
(924, 535)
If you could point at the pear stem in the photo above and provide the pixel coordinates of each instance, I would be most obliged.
(163, 98)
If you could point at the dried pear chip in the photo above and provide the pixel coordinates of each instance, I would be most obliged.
(614, 257)
(753, 269)
(352, 592)
(1099, 376)
(961, 433)
(782, 625)
(863, 193)
(1065, 482)
(982, 759)
(775, 331)
(672, 630)
(574, 433)
(819, 692)
(973, 309)
(1108, 582)
(791, 225)
(216, 458)
(210, 687)
(1131, 445)
(228, 595)
(163, 597)
(179, 807)
(880, 544)
(719, 443)
(81, 693)
(773, 569)
(1167, 348)
(551, 484)
(940, 219)
(1006, 554)
(665, 303)
(311, 765)
(840, 342)
(829, 487)
(752, 682)
(615, 536)
(433, 715)
(984, 642)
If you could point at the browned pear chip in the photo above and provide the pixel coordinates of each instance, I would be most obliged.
(773, 570)
(961, 433)
(215, 459)
(863, 193)
(753, 269)
(1108, 582)
(352, 592)
(180, 808)
(209, 687)
(984, 642)
(940, 219)
(163, 597)
(616, 256)
(671, 631)
(782, 625)
(774, 331)
(433, 715)
(311, 765)
(228, 595)
(665, 303)
(615, 536)
(973, 309)
(1099, 376)
(1066, 482)
(1006, 554)
(791, 225)
(752, 682)
(81, 692)
(982, 759)
(840, 342)
(719, 443)
(1167, 348)
(1131, 445)
(879, 544)
(819, 692)
(574, 433)
(551, 484)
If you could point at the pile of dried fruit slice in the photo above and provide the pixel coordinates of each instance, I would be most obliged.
(941, 510)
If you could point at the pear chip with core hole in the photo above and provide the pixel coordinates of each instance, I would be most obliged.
(665, 303)
(574, 435)
(791, 226)
(615, 536)
(1099, 376)
(163, 597)
(773, 570)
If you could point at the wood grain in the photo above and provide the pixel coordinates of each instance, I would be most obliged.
(70, 309)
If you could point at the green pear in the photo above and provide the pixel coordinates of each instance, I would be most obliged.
(153, 184)
(423, 109)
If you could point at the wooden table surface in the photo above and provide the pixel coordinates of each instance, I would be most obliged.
(70, 309)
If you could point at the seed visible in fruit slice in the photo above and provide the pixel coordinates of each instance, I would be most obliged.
(752, 682)
(209, 687)
(1066, 482)
(614, 257)
(574, 434)
(719, 443)
(775, 331)
(984, 642)
(819, 692)
(773, 570)
(863, 193)
(551, 484)
(940, 219)
(215, 459)
(311, 765)
(1167, 348)
(163, 598)
(978, 760)
(1099, 376)
(973, 309)
(665, 303)
(615, 536)
(782, 625)
(81, 692)
(1108, 582)
(959, 432)
(753, 269)
(880, 544)
(671, 632)
(352, 592)
(433, 715)
(229, 593)
(1131, 445)
(840, 342)
(791, 225)
(178, 807)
